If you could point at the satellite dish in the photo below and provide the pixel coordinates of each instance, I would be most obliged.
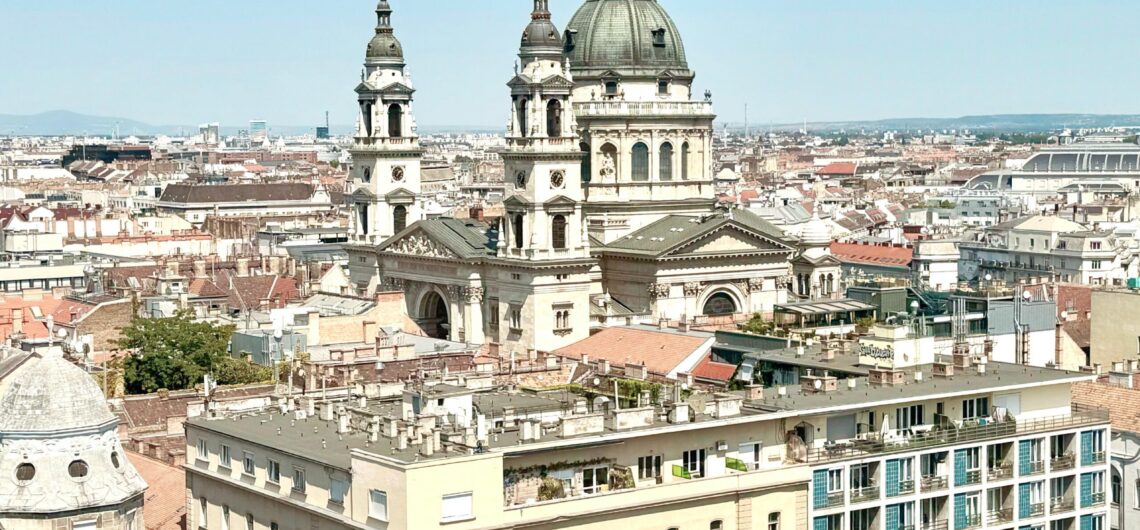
(277, 333)
(1027, 295)
(597, 381)
(62, 333)
(989, 277)
(818, 384)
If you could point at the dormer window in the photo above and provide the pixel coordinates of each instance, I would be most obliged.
(611, 87)
(662, 87)
(659, 38)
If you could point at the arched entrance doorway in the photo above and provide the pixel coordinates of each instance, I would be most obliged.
(434, 316)
(719, 304)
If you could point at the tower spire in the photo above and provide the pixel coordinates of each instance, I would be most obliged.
(541, 10)
(383, 17)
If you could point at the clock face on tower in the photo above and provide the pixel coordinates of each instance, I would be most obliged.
(557, 179)
(520, 179)
(398, 174)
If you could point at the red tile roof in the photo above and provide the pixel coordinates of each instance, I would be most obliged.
(661, 352)
(164, 507)
(891, 255)
(837, 168)
(711, 370)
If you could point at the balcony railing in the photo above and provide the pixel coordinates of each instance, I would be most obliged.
(1035, 510)
(973, 520)
(1062, 462)
(973, 476)
(906, 487)
(643, 108)
(874, 445)
(935, 525)
(834, 499)
(934, 483)
(1034, 468)
(1062, 504)
(1096, 458)
(1096, 499)
(1001, 472)
(1003, 515)
(864, 494)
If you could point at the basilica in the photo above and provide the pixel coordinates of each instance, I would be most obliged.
(611, 214)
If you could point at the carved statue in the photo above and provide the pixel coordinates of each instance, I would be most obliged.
(658, 291)
(609, 168)
(474, 295)
(417, 245)
(692, 289)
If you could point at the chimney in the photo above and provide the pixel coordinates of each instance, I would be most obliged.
(18, 321)
(663, 323)
(242, 267)
(754, 392)
(341, 421)
(200, 268)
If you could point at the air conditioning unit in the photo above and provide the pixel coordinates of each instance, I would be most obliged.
(721, 445)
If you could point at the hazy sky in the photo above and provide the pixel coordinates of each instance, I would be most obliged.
(191, 61)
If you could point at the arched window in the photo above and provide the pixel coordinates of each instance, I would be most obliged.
(518, 228)
(362, 212)
(399, 218)
(558, 231)
(367, 175)
(554, 119)
(366, 112)
(524, 125)
(685, 161)
(640, 162)
(395, 121)
(830, 284)
(585, 147)
(665, 162)
(720, 304)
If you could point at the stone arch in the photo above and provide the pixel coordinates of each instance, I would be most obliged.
(717, 299)
(433, 313)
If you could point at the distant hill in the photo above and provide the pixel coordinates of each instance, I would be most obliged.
(65, 123)
(993, 123)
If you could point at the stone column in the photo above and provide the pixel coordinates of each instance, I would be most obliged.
(473, 323)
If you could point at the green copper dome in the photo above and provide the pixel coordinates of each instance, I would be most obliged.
(384, 46)
(630, 37)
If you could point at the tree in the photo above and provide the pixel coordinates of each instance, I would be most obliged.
(172, 353)
(759, 326)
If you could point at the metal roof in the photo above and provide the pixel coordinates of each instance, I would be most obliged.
(824, 307)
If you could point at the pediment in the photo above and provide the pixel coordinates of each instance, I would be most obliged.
(415, 242)
(400, 193)
(516, 201)
(557, 81)
(398, 88)
(729, 239)
(362, 195)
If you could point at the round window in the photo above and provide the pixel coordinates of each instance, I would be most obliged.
(25, 472)
(77, 469)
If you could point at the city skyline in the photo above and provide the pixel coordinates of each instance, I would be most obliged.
(288, 64)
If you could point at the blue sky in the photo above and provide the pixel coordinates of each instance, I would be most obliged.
(288, 61)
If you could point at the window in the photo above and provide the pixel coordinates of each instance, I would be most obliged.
(493, 312)
(975, 408)
(514, 318)
(225, 456)
(395, 120)
(273, 526)
(662, 87)
(749, 453)
(774, 521)
(973, 458)
(517, 224)
(595, 479)
(1095, 245)
(716, 525)
(665, 162)
(249, 523)
(77, 469)
(558, 232)
(247, 463)
(640, 162)
(554, 119)
(225, 518)
(562, 320)
(272, 471)
(694, 462)
(1096, 265)
(649, 467)
(861, 476)
(298, 480)
(974, 506)
(907, 417)
(367, 176)
(685, 161)
(659, 38)
(862, 519)
(203, 452)
(456, 507)
(1136, 494)
(523, 113)
(399, 218)
(611, 88)
(834, 480)
(377, 505)
(203, 512)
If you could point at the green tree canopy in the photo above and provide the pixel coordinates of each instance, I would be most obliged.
(174, 353)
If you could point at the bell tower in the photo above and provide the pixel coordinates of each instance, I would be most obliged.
(386, 154)
(542, 160)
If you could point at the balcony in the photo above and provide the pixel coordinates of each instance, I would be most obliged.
(909, 441)
(935, 525)
(834, 499)
(1095, 458)
(1034, 468)
(1001, 472)
(1034, 510)
(973, 476)
(1096, 499)
(934, 483)
(973, 520)
(906, 487)
(1001, 516)
(600, 109)
(865, 494)
(1062, 505)
(1062, 462)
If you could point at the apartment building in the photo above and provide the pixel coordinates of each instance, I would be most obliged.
(914, 444)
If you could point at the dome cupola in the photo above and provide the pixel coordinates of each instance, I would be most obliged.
(634, 38)
(384, 47)
(541, 37)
